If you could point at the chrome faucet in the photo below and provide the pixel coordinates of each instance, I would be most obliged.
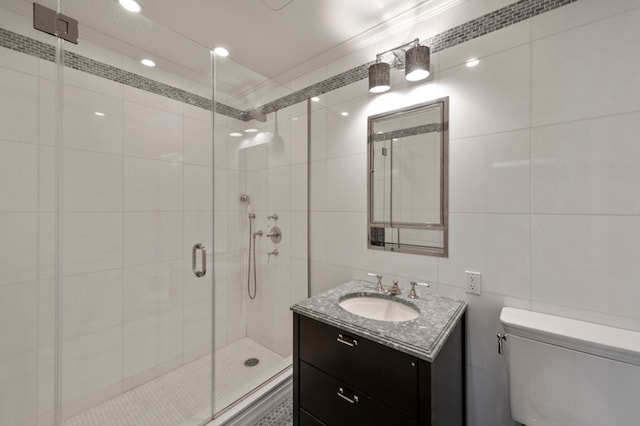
(394, 290)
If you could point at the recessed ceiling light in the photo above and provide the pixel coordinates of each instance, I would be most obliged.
(221, 51)
(235, 134)
(147, 62)
(344, 113)
(315, 99)
(252, 130)
(472, 62)
(99, 114)
(130, 5)
(294, 119)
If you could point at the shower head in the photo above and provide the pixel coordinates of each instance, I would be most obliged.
(244, 198)
(258, 115)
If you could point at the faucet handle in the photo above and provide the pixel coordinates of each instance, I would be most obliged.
(413, 294)
(379, 283)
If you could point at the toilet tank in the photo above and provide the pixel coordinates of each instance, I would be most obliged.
(568, 372)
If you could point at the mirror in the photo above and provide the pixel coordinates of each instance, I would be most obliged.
(408, 166)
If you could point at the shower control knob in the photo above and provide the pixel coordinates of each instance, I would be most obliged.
(275, 234)
(273, 216)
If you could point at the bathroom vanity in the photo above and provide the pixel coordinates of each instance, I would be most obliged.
(352, 370)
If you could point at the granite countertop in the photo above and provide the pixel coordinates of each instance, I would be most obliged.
(422, 337)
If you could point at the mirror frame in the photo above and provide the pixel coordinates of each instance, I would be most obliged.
(444, 186)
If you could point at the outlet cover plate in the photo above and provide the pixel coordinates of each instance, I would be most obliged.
(474, 282)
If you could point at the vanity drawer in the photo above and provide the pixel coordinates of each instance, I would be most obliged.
(334, 403)
(385, 374)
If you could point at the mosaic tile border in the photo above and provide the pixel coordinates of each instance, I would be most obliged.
(410, 131)
(493, 21)
(281, 415)
(23, 44)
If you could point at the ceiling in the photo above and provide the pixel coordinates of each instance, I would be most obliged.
(271, 42)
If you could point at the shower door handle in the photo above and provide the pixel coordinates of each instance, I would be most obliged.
(194, 262)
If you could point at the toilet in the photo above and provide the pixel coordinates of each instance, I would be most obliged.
(568, 372)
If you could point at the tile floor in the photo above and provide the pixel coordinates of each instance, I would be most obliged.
(175, 397)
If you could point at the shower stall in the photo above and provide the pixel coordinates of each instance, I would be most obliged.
(124, 256)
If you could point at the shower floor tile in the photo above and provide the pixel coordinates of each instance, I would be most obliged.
(175, 397)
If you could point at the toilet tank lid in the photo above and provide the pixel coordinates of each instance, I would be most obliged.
(596, 339)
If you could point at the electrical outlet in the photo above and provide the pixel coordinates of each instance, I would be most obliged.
(474, 282)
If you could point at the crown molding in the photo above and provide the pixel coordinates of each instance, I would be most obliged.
(370, 37)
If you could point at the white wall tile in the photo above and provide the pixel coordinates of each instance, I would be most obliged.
(152, 289)
(490, 173)
(495, 245)
(18, 177)
(318, 186)
(19, 307)
(492, 97)
(346, 135)
(487, 398)
(92, 242)
(600, 55)
(46, 178)
(152, 133)
(587, 166)
(576, 14)
(152, 341)
(197, 188)
(92, 181)
(91, 302)
(152, 237)
(279, 188)
(350, 230)
(299, 149)
(198, 145)
(143, 97)
(19, 236)
(91, 363)
(318, 135)
(152, 185)
(18, 106)
(586, 262)
(496, 41)
(347, 183)
(279, 147)
(197, 326)
(83, 129)
(18, 388)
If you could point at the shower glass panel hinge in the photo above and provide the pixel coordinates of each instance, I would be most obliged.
(54, 23)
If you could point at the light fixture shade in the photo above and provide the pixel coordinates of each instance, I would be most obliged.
(417, 63)
(379, 77)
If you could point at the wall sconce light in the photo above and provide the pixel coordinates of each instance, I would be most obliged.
(379, 77)
(416, 64)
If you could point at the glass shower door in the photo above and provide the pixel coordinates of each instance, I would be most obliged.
(27, 205)
(136, 210)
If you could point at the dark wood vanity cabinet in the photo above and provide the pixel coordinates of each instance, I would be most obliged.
(343, 379)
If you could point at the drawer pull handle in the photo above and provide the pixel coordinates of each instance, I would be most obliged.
(342, 340)
(346, 398)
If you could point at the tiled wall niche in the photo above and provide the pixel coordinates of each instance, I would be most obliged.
(543, 179)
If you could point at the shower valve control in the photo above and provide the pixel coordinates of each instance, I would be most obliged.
(274, 252)
(275, 234)
(273, 216)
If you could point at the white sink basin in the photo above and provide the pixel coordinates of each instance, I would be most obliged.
(381, 309)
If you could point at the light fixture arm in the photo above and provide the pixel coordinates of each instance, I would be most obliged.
(411, 43)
